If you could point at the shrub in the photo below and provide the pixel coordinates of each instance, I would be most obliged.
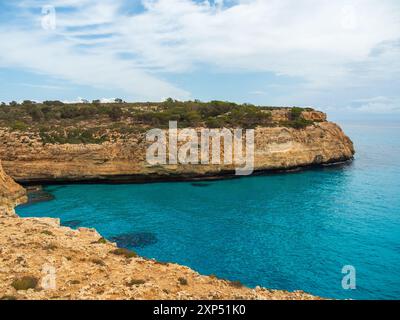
(295, 113)
(69, 112)
(248, 116)
(8, 297)
(124, 252)
(215, 108)
(236, 284)
(135, 282)
(183, 281)
(53, 103)
(72, 136)
(98, 262)
(25, 283)
(299, 123)
(216, 122)
(74, 111)
(27, 102)
(50, 246)
(101, 240)
(115, 113)
(162, 263)
(36, 113)
(19, 125)
(63, 121)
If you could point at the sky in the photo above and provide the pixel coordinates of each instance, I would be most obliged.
(338, 56)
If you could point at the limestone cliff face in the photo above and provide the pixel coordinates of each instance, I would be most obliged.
(11, 194)
(286, 148)
(27, 159)
(283, 114)
(39, 259)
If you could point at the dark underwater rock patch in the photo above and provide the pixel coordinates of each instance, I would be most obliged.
(199, 184)
(37, 194)
(71, 223)
(134, 239)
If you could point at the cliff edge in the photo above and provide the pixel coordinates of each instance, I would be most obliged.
(116, 154)
(11, 194)
(39, 259)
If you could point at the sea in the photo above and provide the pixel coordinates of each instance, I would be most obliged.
(333, 232)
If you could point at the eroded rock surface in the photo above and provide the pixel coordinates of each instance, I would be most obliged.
(11, 194)
(39, 259)
(27, 159)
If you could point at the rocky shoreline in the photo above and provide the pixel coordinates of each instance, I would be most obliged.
(144, 179)
(42, 260)
(39, 259)
(27, 160)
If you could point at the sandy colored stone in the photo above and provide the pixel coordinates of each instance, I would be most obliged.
(27, 159)
(11, 194)
(86, 268)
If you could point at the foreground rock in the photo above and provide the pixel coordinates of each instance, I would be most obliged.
(11, 194)
(39, 259)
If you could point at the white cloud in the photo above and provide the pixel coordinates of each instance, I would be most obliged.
(378, 105)
(101, 69)
(43, 86)
(312, 39)
(328, 44)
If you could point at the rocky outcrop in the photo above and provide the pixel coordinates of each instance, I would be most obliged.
(39, 259)
(78, 264)
(11, 194)
(27, 159)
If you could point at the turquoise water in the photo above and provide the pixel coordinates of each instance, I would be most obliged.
(284, 231)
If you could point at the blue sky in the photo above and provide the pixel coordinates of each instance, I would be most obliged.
(339, 56)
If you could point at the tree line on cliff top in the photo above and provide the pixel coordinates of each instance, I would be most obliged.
(124, 116)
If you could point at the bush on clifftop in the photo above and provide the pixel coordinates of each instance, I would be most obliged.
(94, 122)
(25, 283)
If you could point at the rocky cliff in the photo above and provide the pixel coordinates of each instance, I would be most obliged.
(39, 259)
(28, 159)
(11, 194)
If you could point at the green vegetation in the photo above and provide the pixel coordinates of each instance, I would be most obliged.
(236, 284)
(98, 262)
(59, 123)
(214, 114)
(115, 113)
(296, 119)
(124, 252)
(183, 281)
(163, 263)
(8, 297)
(74, 282)
(50, 247)
(25, 283)
(72, 135)
(295, 113)
(299, 123)
(135, 282)
(18, 125)
(101, 240)
(47, 232)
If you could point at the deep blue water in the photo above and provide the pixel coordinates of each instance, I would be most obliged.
(283, 231)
